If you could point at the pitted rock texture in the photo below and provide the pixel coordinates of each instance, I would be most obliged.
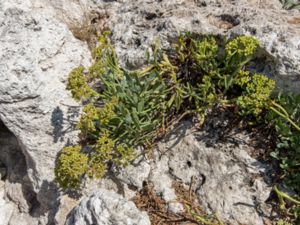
(39, 46)
(6, 209)
(136, 25)
(17, 199)
(223, 175)
(37, 52)
(107, 208)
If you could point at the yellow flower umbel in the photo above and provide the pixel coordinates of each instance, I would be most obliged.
(243, 78)
(107, 150)
(95, 115)
(256, 95)
(241, 47)
(78, 85)
(71, 166)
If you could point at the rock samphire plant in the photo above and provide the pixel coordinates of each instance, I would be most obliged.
(129, 109)
(125, 110)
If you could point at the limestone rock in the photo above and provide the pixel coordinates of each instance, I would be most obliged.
(6, 209)
(162, 179)
(225, 177)
(136, 25)
(135, 174)
(37, 52)
(9, 212)
(65, 206)
(106, 208)
(22, 219)
(17, 196)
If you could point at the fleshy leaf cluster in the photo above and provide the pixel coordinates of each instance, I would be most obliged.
(129, 109)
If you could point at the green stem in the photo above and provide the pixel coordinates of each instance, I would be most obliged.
(284, 115)
(280, 107)
(202, 220)
(286, 196)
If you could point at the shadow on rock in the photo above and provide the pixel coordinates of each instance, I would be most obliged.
(62, 124)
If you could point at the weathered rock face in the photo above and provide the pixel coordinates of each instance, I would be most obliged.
(224, 176)
(137, 24)
(227, 179)
(37, 52)
(38, 49)
(6, 209)
(107, 208)
(17, 198)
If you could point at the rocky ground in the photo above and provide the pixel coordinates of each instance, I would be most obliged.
(42, 40)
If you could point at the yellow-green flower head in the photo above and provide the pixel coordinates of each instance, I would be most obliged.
(106, 113)
(243, 78)
(86, 123)
(71, 166)
(257, 94)
(243, 46)
(205, 49)
(78, 85)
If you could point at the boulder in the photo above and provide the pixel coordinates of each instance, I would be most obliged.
(226, 179)
(37, 52)
(224, 176)
(106, 208)
(38, 49)
(6, 209)
(136, 25)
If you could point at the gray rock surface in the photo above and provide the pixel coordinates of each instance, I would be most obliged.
(17, 198)
(106, 208)
(37, 52)
(136, 25)
(223, 175)
(66, 204)
(6, 209)
(135, 174)
(38, 49)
